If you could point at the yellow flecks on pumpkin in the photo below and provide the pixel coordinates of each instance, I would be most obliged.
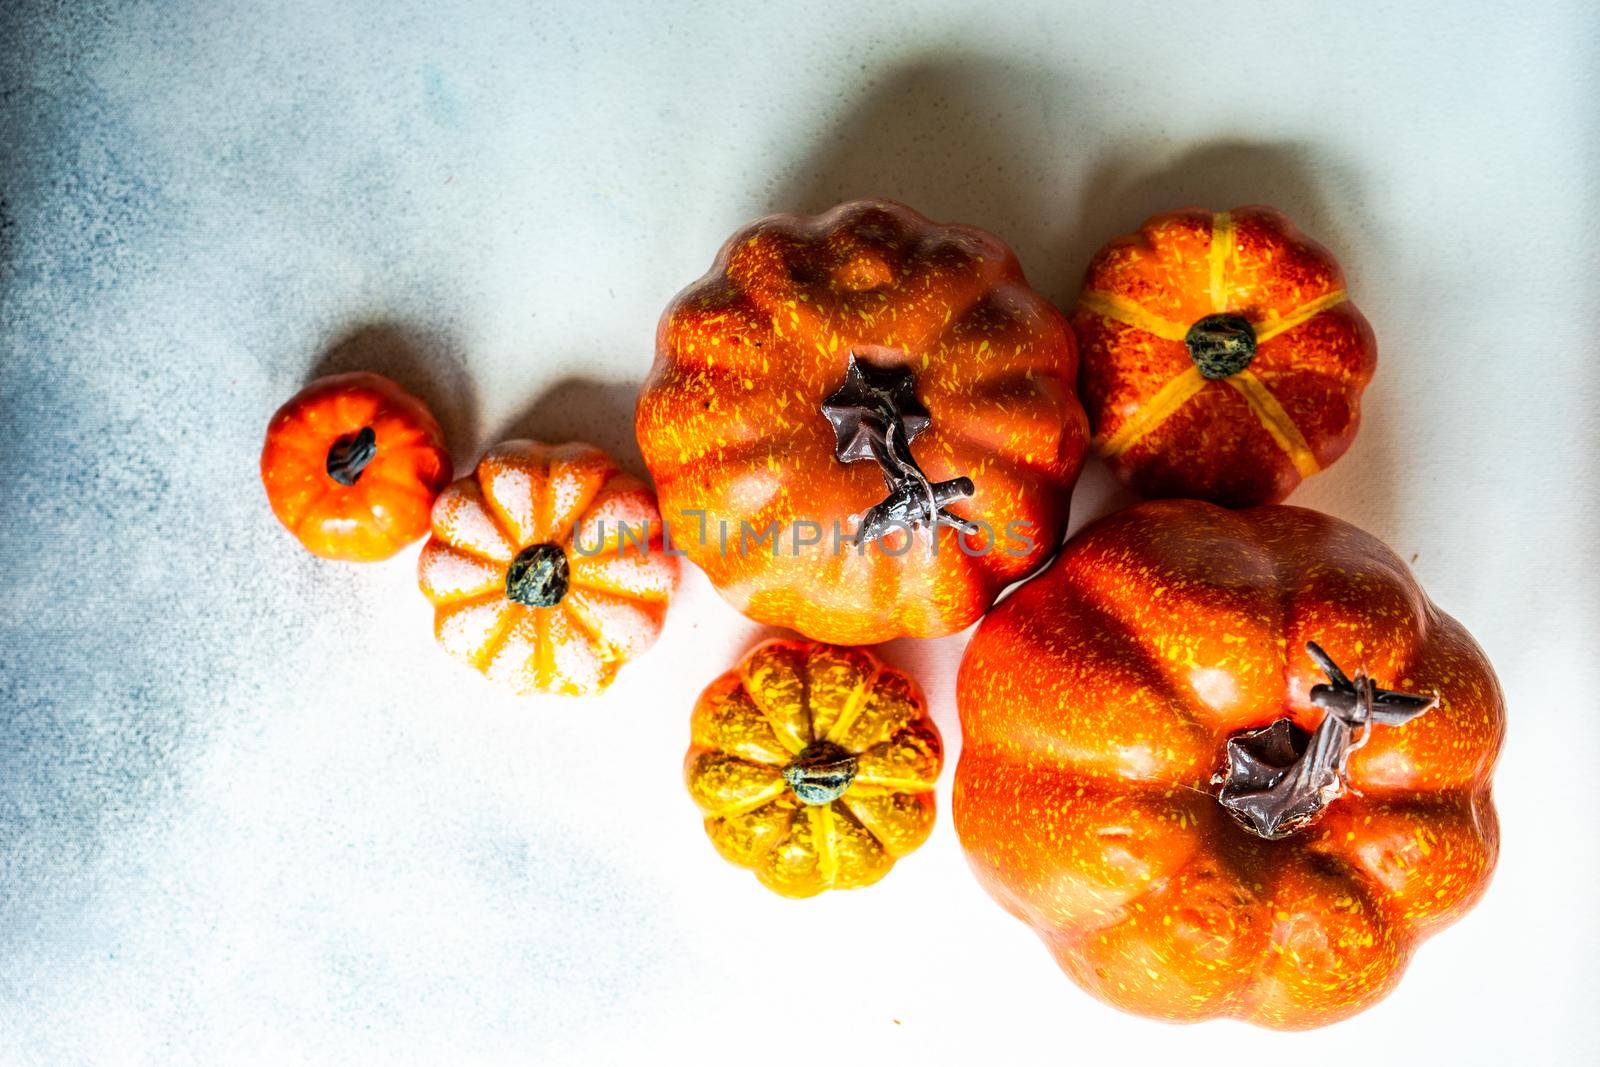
(917, 313)
(1064, 716)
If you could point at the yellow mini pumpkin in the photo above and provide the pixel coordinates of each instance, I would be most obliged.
(814, 765)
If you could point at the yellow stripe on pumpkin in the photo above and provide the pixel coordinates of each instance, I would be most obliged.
(1121, 309)
(753, 801)
(1276, 421)
(821, 816)
(1267, 329)
(1223, 236)
(1168, 399)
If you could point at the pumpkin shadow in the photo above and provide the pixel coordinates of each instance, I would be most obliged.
(580, 408)
(1321, 193)
(976, 139)
(425, 364)
(964, 138)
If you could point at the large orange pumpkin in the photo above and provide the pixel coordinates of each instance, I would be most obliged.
(546, 568)
(814, 766)
(1222, 357)
(835, 386)
(351, 465)
(1168, 776)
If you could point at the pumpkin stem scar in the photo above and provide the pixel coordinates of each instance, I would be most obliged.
(821, 773)
(1221, 345)
(1279, 779)
(538, 577)
(350, 454)
(875, 413)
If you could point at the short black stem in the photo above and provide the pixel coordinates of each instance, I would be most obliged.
(538, 577)
(1221, 345)
(350, 455)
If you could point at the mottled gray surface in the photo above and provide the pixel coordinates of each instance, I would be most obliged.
(248, 812)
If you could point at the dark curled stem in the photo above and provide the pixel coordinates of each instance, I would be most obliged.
(350, 455)
(875, 414)
(1279, 779)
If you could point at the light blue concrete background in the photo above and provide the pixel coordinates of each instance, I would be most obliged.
(248, 812)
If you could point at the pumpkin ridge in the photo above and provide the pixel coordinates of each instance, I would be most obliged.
(714, 462)
(1382, 899)
(605, 650)
(751, 803)
(954, 425)
(848, 810)
(472, 552)
(980, 292)
(1163, 682)
(572, 467)
(381, 471)
(840, 809)
(319, 500)
(497, 514)
(857, 703)
(544, 668)
(495, 584)
(767, 711)
(1253, 994)
(822, 834)
(496, 641)
(589, 585)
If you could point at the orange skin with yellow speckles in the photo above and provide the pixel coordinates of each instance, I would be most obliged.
(571, 497)
(387, 506)
(1251, 437)
(1096, 703)
(731, 427)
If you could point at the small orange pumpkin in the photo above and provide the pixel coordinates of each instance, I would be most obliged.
(1222, 357)
(352, 464)
(814, 765)
(546, 568)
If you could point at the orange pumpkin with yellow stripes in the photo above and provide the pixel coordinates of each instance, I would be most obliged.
(814, 766)
(1167, 775)
(546, 568)
(1221, 356)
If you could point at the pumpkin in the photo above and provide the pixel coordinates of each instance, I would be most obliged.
(352, 464)
(1222, 357)
(1183, 768)
(814, 765)
(863, 425)
(546, 568)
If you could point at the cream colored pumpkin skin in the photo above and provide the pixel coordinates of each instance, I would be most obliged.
(572, 496)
